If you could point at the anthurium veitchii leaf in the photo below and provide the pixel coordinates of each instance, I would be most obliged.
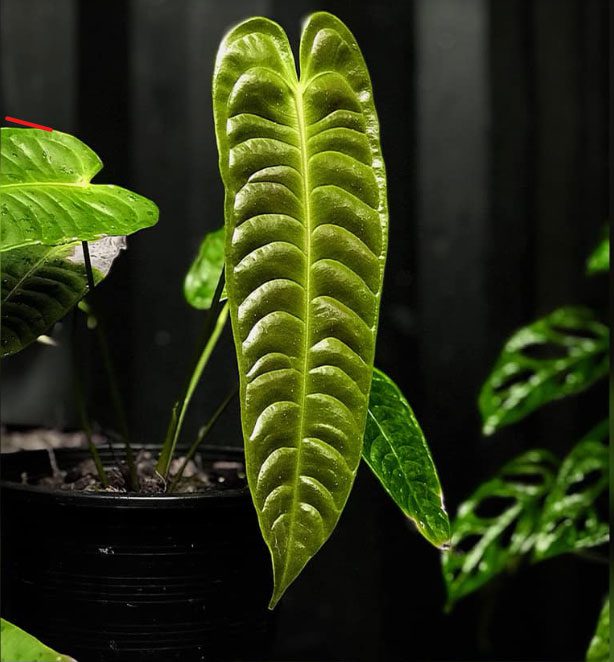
(306, 230)
(496, 525)
(46, 196)
(397, 452)
(599, 259)
(19, 646)
(202, 278)
(599, 648)
(41, 284)
(570, 518)
(558, 355)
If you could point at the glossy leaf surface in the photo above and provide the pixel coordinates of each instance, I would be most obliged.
(497, 524)
(599, 649)
(558, 355)
(570, 518)
(41, 284)
(46, 196)
(306, 231)
(202, 278)
(397, 452)
(599, 260)
(19, 646)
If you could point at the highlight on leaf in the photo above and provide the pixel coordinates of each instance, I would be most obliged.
(571, 519)
(496, 526)
(19, 646)
(599, 648)
(202, 278)
(556, 356)
(47, 197)
(41, 284)
(306, 230)
(397, 452)
(599, 259)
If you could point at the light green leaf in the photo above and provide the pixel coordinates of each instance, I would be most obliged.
(599, 260)
(496, 526)
(570, 519)
(397, 452)
(599, 649)
(202, 278)
(559, 355)
(46, 196)
(306, 231)
(41, 284)
(19, 646)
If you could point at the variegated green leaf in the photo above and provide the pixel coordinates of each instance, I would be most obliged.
(41, 284)
(19, 646)
(202, 278)
(559, 355)
(397, 452)
(496, 526)
(599, 649)
(570, 518)
(46, 196)
(306, 230)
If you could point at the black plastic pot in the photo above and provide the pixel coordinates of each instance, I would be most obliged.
(133, 578)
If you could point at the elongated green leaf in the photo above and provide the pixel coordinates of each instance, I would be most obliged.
(306, 231)
(19, 646)
(46, 196)
(559, 355)
(599, 649)
(202, 278)
(41, 284)
(570, 519)
(599, 260)
(497, 524)
(397, 452)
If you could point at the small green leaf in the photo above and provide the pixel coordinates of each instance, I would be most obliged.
(570, 519)
(558, 355)
(41, 284)
(47, 197)
(599, 260)
(496, 525)
(599, 649)
(19, 646)
(202, 278)
(397, 452)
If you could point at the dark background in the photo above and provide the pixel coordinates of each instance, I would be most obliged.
(495, 133)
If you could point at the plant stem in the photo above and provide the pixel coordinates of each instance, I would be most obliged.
(214, 326)
(202, 433)
(120, 413)
(85, 422)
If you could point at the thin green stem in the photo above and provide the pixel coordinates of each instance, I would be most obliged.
(116, 399)
(82, 409)
(202, 433)
(214, 325)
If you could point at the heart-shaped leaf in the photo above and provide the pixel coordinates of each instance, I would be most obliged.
(599, 260)
(46, 195)
(599, 649)
(202, 278)
(570, 519)
(397, 452)
(41, 284)
(497, 524)
(559, 355)
(19, 646)
(306, 229)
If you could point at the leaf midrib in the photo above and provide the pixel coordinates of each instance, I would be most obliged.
(82, 185)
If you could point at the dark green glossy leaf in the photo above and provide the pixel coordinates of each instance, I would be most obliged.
(599, 649)
(202, 278)
(397, 452)
(46, 195)
(570, 519)
(559, 355)
(497, 524)
(306, 231)
(19, 646)
(41, 284)
(599, 260)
